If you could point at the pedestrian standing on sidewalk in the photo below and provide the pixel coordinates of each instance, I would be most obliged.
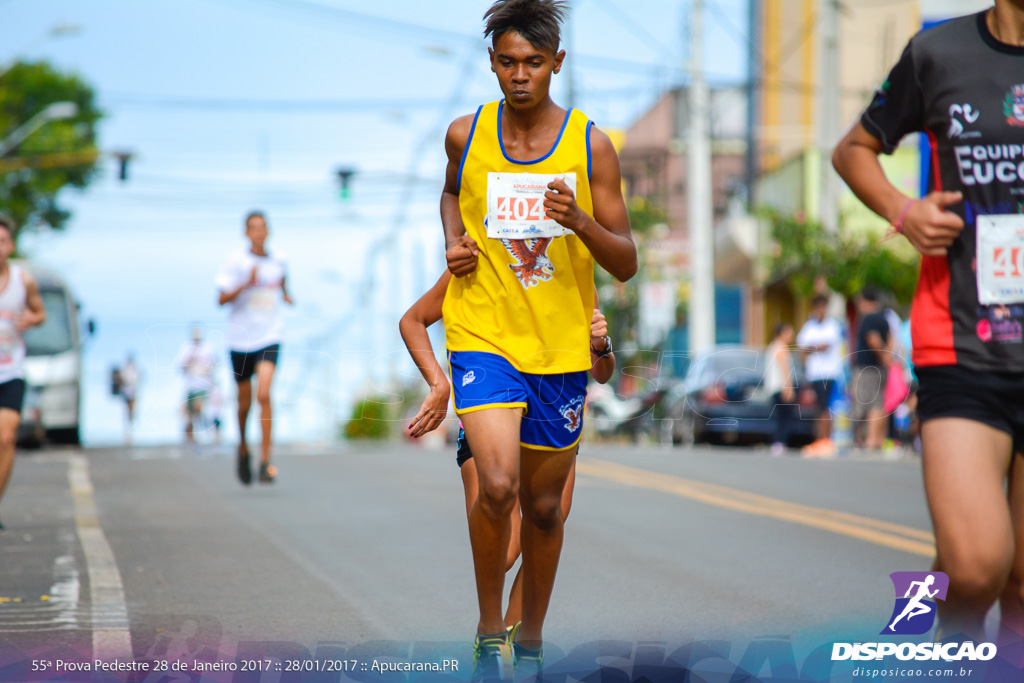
(821, 338)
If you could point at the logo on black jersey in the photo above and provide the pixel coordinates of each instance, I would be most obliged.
(1013, 106)
(956, 126)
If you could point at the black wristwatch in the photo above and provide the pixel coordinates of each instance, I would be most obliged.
(607, 349)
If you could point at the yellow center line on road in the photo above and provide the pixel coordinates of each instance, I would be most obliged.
(890, 535)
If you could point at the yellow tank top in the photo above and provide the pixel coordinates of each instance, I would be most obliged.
(529, 300)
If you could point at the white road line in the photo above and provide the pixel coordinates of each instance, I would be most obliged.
(106, 592)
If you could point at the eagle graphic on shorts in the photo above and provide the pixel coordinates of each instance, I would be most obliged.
(573, 414)
(532, 263)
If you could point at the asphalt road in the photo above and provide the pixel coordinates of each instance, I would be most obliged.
(161, 553)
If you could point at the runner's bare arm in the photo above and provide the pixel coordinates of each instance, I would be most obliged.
(35, 312)
(460, 249)
(285, 293)
(413, 327)
(928, 226)
(782, 358)
(228, 297)
(601, 369)
(607, 234)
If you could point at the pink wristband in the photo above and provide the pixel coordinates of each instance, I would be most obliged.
(897, 225)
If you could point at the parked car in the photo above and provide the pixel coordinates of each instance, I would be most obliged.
(53, 366)
(722, 398)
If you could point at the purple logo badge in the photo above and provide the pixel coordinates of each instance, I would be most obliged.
(916, 593)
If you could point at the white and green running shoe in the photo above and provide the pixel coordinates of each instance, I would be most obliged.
(492, 658)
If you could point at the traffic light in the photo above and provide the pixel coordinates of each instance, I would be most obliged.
(123, 158)
(345, 175)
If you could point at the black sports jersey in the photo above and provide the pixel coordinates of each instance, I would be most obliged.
(965, 90)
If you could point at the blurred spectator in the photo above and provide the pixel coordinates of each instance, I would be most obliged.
(821, 338)
(779, 385)
(129, 377)
(871, 360)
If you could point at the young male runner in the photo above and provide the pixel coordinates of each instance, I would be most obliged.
(413, 326)
(517, 314)
(198, 364)
(21, 307)
(962, 83)
(253, 282)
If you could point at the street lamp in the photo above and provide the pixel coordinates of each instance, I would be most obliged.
(55, 111)
(55, 31)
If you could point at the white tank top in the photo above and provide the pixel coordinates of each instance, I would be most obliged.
(12, 344)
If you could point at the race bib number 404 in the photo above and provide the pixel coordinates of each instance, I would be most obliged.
(515, 205)
(1000, 259)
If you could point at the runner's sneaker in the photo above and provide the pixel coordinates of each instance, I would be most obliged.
(822, 448)
(267, 473)
(492, 658)
(528, 663)
(244, 471)
(513, 631)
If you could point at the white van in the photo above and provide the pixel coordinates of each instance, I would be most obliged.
(53, 366)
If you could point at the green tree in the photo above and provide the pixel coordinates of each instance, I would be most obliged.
(371, 419)
(803, 251)
(58, 155)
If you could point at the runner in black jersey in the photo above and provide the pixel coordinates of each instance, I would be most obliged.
(962, 84)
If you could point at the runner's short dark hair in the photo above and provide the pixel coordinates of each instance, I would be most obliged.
(819, 300)
(254, 214)
(536, 20)
(869, 293)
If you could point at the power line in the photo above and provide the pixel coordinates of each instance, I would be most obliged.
(354, 19)
(620, 15)
(741, 38)
(303, 106)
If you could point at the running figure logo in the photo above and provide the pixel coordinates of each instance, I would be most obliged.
(573, 414)
(468, 378)
(955, 126)
(914, 613)
(533, 265)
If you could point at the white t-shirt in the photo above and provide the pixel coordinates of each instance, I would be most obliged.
(13, 298)
(256, 319)
(199, 364)
(827, 364)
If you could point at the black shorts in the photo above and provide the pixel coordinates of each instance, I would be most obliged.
(994, 399)
(463, 453)
(823, 390)
(244, 362)
(12, 394)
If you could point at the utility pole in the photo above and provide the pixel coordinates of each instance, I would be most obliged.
(753, 72)
(828, 111)
(698, 195)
